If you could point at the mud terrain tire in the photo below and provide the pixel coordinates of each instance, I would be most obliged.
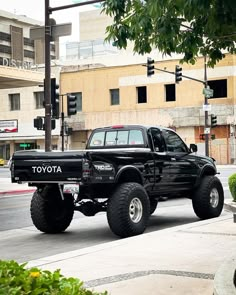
(49, 213)
(128, 210)
(208, 200)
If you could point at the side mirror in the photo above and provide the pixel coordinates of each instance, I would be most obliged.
(193, 148)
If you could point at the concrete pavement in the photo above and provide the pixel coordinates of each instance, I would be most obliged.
(179, 260)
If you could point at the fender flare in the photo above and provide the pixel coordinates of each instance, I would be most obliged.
(129, 168)
(206, 170)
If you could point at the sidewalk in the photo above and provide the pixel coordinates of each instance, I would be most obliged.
(179, 260)
(8, 188)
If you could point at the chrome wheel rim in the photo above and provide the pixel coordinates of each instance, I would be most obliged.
(135, 210)
(214, 198)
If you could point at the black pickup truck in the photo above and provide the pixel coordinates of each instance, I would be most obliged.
(125, 171)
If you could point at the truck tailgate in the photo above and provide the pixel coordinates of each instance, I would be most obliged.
(47, 167)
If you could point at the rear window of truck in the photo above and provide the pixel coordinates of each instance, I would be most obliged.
(113, 138)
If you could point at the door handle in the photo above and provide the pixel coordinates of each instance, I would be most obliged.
(173, 159)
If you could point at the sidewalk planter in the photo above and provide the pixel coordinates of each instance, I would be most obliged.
(16, 279)
(232, 185)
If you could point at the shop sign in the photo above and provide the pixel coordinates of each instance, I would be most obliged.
(8, 126)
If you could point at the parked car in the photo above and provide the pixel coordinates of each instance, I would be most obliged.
(2, 162)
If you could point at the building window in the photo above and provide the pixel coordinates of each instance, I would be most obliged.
(14, 101)
(170, 92)
(39, 99)
(115, 96)
(142, 94)
(78, 100)
(219, 88)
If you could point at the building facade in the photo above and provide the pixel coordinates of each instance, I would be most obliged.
(125, 95)
(111, 87)
(21, 73)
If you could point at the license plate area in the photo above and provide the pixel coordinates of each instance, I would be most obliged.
(71, 188)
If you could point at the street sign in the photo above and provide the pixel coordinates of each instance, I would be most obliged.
(206, 107)
(207, 130)
(208, 92)
(56, 31)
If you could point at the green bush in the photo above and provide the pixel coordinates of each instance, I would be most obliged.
(232, 185)
(16, 279)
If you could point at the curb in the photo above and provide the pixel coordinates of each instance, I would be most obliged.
(230, 207)
(16, 192)
(224, 281)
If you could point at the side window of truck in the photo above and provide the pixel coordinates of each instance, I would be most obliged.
(159, 145)
(173, 142)
(98, 139)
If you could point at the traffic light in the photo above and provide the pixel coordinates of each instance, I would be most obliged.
(150, 67)
(38, 123)
(53, 124)
(178, 74)
(213, 121)
(71, 105)
(55, 99)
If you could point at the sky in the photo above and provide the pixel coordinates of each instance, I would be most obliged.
(35, 9)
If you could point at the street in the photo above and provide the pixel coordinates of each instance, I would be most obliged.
(21, 241)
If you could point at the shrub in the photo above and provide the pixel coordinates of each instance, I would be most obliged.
(16, 279)
(232, 185)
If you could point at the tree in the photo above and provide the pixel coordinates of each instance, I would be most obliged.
(188, 27)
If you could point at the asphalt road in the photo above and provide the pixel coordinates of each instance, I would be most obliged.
(21, 241)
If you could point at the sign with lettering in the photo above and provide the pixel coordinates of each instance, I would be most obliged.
(10, 62)
(8, 126)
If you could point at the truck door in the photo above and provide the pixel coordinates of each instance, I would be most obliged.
(161, 160)
(181, 168)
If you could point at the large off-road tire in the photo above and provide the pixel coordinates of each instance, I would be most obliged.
(128, 210)
(49, 213)
(208, 200)
(153, 205)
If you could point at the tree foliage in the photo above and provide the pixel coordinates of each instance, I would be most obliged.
(188, 27)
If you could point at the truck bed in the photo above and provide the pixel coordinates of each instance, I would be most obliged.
(47, 167)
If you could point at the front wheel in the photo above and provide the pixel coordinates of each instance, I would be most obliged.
(49, 213)
(208, 200)
(128, 210)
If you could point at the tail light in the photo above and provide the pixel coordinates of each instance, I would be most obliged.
(86, 169)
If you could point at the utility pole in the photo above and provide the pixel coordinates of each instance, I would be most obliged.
(62, 126)
(47, 86)
(206, 125)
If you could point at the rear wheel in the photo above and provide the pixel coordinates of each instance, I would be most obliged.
(128, 210)
(49, 213)
(208, 200)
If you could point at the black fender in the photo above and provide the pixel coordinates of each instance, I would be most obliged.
(129, 173)
(206, 170)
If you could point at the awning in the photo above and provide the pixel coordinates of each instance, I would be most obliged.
(11, 77)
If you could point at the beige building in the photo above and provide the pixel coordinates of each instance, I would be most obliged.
(112, 88)
(125, 95)
(21, 71)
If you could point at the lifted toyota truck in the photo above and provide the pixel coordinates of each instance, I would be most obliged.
(124, 170)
